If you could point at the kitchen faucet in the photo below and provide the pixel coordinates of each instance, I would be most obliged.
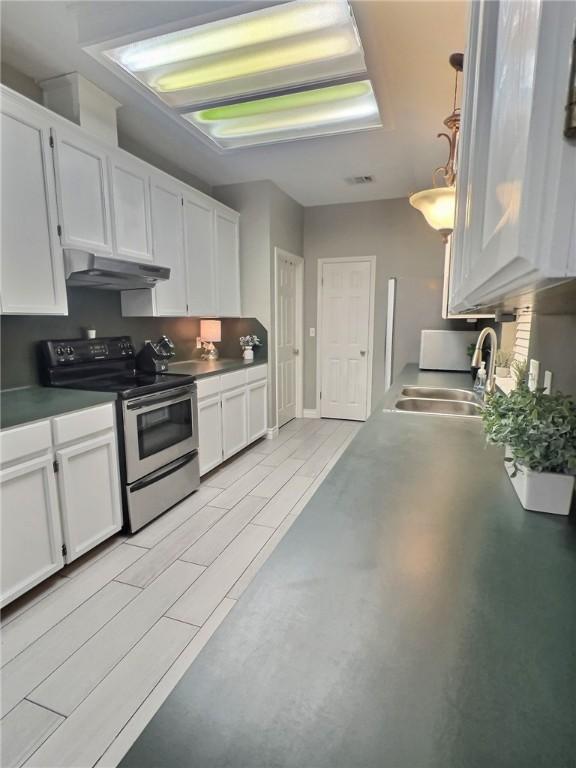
(477, 357)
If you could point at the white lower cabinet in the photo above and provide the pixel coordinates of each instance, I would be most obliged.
(89, 493)
(210, 431)
(234, 421)
(232, 413)
(60, 495)
(257, 410)
(31, 531)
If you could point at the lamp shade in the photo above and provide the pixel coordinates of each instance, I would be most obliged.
(210, 330)
(438, 207)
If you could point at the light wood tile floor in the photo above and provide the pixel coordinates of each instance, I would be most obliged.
(90, 655)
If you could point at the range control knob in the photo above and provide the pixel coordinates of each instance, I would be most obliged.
(59, 351)
(69, 351)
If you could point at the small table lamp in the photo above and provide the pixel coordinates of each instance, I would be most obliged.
(210, 331)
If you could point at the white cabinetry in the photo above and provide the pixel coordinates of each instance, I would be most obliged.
(199, 250)
(32, 269)
(130, 207)
(82, 190)
(227, 262)
(516, 202)
(31, 533)
(232, 413)
(59, 493)
(168, 245)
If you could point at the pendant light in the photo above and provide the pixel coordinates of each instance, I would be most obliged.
(438, 205)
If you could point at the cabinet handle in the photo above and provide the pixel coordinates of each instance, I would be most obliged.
(362, 352)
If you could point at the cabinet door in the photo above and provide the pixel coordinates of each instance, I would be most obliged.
(227, 263)
(130, 208)
(209, 433)
(32, 267)
(257, 410)
(89, 493)
(31, 533)
(82, 191)
(234, 421)
(168, 246)
(516, 191)
(199, 251)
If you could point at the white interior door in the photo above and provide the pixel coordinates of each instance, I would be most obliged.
(345, 318)
(287, 350)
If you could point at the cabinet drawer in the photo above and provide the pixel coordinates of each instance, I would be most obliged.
(257, 373)
(232, 380)
(208, 387)
(19, 442)
(78, 425)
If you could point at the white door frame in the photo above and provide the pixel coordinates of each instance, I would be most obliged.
(299, 328)
(321, 262)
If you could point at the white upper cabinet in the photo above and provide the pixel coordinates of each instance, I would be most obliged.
(31, 267)
(82, 191)
(200, 255)
(516, 217)
(168, 245)
(130, 191)
(227, 262)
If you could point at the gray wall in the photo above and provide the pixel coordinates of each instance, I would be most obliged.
(553, 343)
(269, 218)
(89, 308)
(404, 246)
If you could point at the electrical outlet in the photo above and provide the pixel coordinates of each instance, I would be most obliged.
(198, 342)
(548, 382)
(533, 375)
(312, 332)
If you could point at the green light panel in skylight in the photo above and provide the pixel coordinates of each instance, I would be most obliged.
(325, 111)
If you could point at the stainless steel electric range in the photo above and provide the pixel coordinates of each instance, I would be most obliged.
(156, 417)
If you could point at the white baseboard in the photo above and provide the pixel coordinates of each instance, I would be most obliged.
(271, 433)
(310, 413)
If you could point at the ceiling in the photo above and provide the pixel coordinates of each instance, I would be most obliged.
(407, 44)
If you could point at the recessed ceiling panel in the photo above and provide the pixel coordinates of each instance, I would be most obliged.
(317, 112)
(283, 46)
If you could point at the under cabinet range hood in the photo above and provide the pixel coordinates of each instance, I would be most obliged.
(88, 270)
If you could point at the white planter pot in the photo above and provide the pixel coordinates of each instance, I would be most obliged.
(548, 492)
(248, 354)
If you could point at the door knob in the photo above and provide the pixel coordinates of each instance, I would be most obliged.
(295, 351)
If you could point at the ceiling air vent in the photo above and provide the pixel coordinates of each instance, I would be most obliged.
(360, 180)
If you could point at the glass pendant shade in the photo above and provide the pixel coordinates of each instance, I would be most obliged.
(438, 206)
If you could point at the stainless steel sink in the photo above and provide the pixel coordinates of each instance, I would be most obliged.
(438, 406)
(438, 393)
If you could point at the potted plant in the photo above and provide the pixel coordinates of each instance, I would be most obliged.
(247, 343)
(539, 434)
(503, 361)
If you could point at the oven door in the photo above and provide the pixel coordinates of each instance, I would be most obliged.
(158, 429)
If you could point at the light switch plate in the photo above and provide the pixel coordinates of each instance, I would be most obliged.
(312, 331)
(198, 342)
(547, 382)
(533, 375)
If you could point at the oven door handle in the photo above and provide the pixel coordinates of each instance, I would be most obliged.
(147, 400)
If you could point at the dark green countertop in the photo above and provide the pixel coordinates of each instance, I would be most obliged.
(414, 616)
(19, 406)
(203, 368)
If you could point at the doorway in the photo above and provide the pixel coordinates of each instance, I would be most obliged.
(288, 335)
(346, 290)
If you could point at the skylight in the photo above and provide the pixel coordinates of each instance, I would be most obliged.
(246, 63)
(317, 112)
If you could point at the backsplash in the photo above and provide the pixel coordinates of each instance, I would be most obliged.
(89, 308)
